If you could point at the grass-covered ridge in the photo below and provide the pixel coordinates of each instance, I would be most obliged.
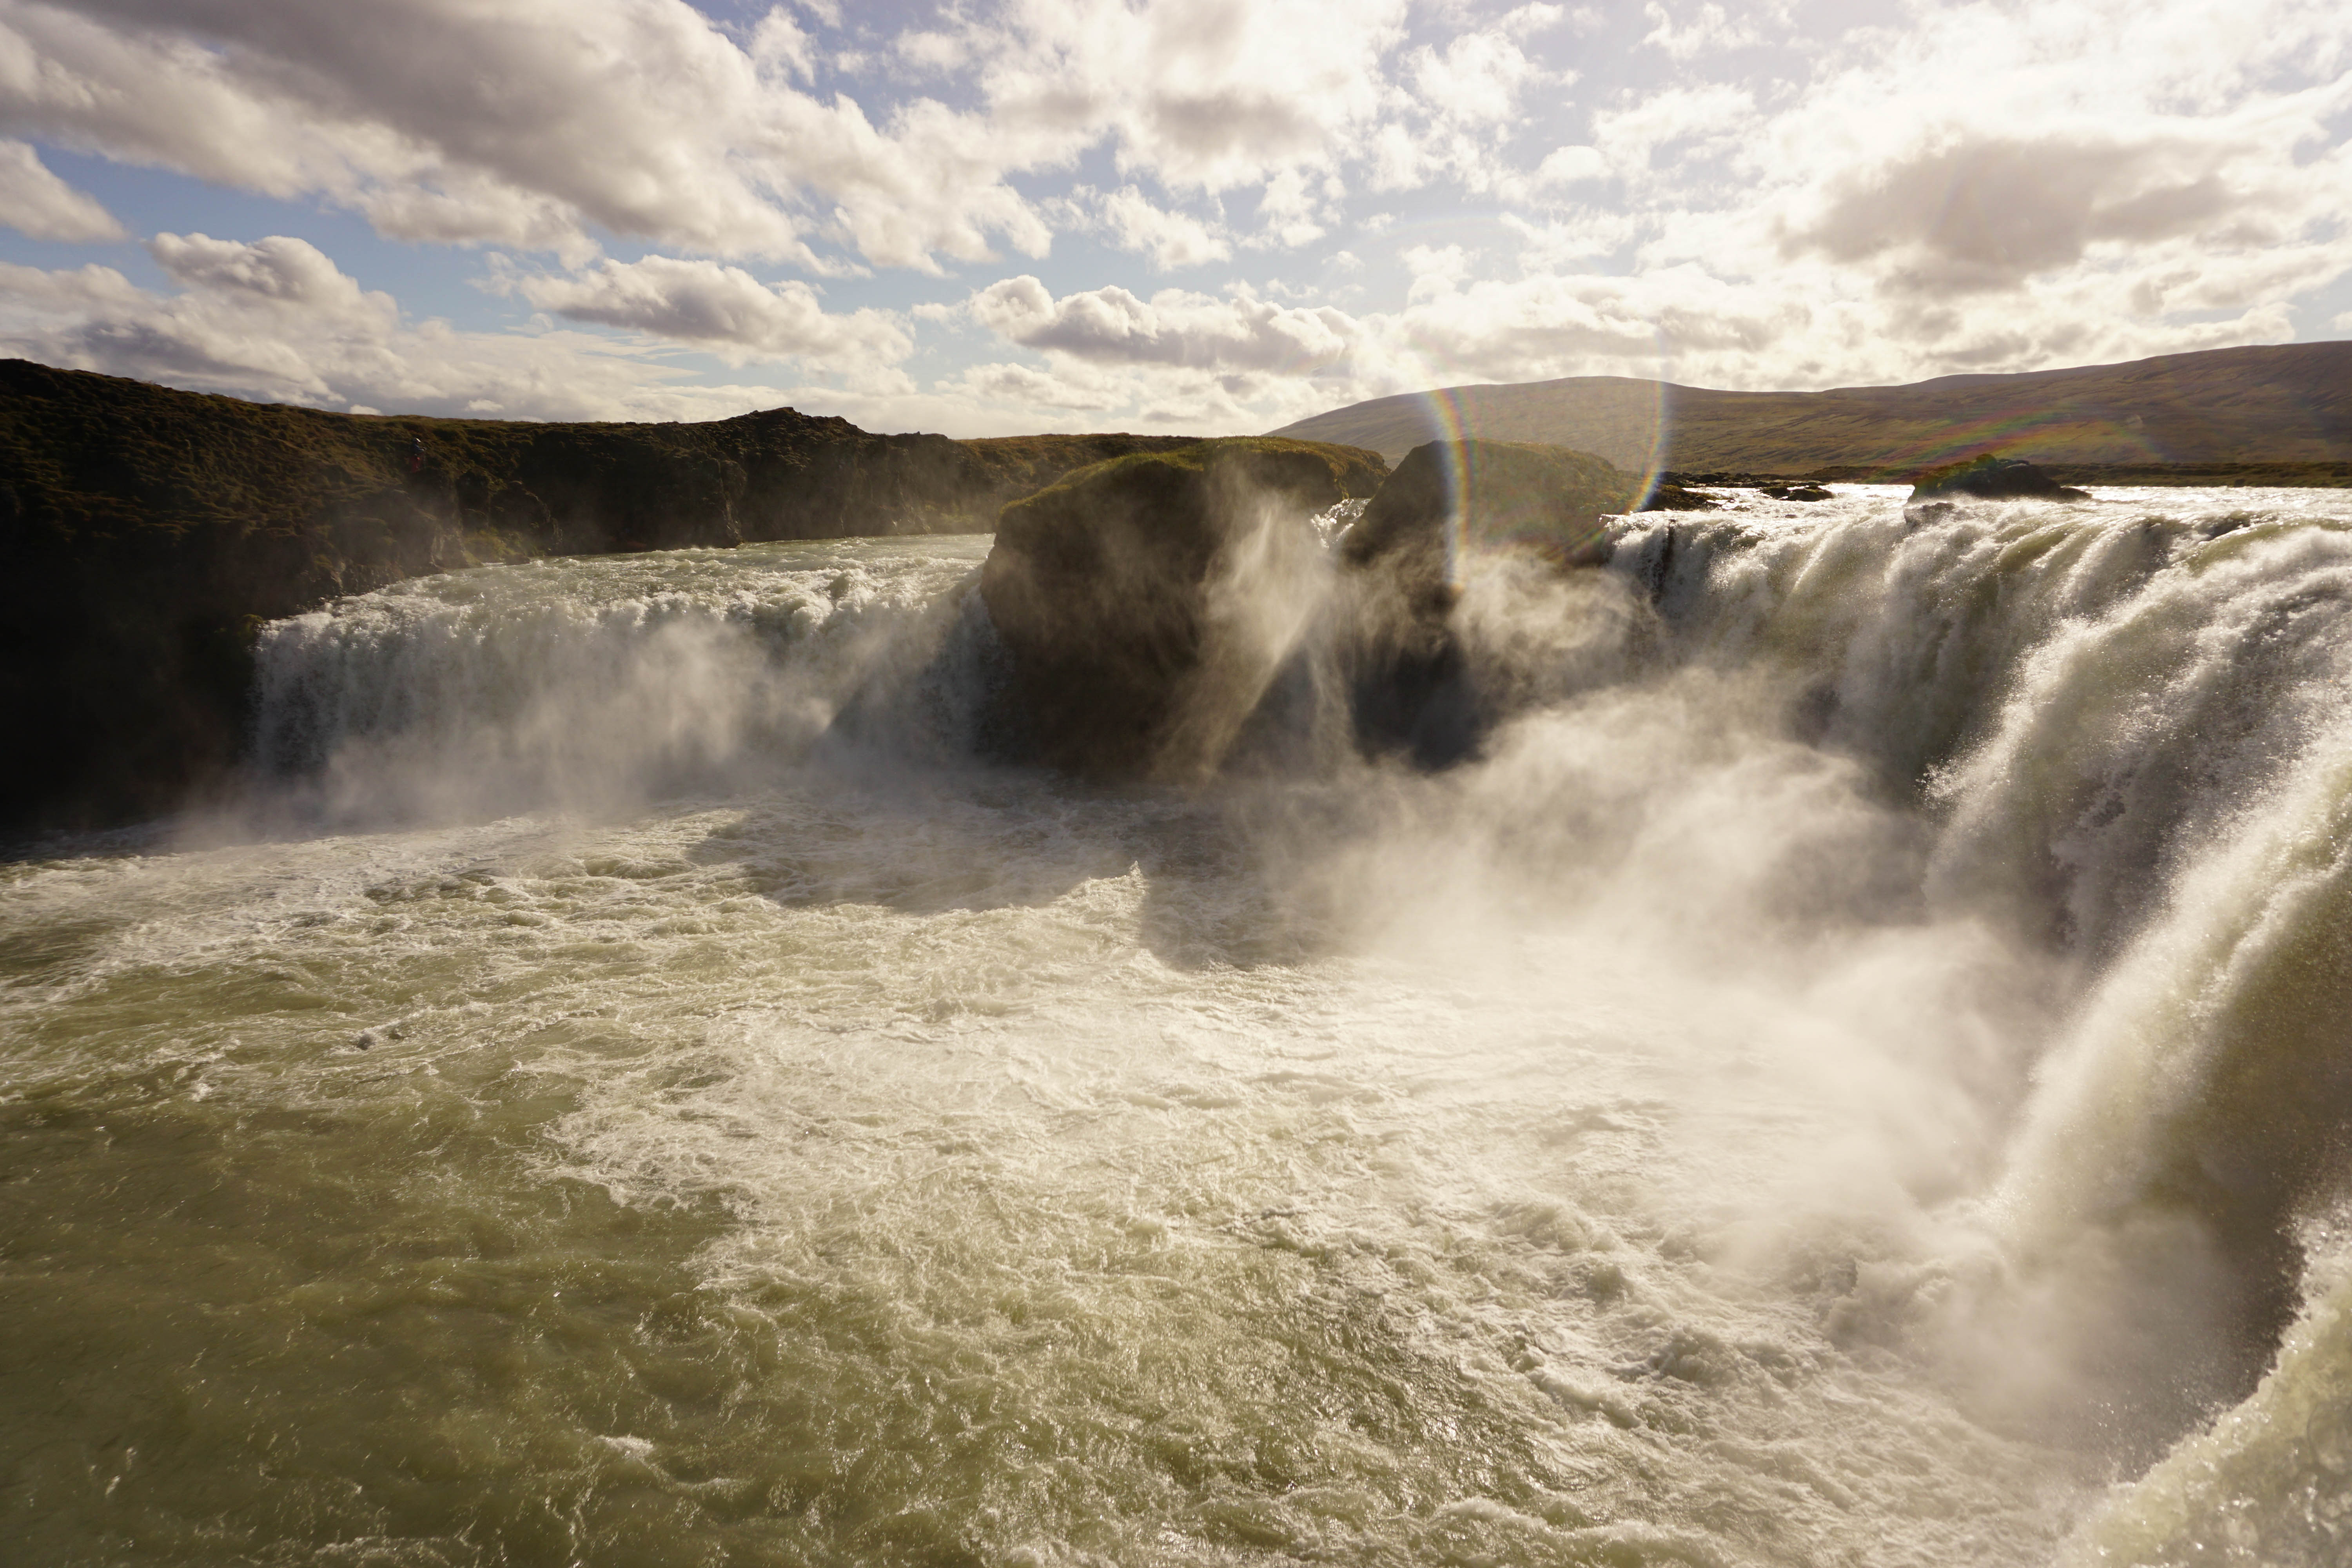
(2277, 415)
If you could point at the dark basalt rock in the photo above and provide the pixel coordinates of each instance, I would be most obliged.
(1669, 495)
(1795, 492)
(1123, 597)
(1993, 478)
(146, 533)
(1550, 501)
(1403, 569)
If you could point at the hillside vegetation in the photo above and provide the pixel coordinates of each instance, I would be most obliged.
(2276, 414)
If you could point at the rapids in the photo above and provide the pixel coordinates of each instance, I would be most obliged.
(1853, 1071)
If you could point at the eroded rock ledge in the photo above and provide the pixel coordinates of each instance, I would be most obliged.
(1132, 599)
(144, 532)
(1162, 612)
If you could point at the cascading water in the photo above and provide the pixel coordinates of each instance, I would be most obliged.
(1850, 1071)
(587, 682)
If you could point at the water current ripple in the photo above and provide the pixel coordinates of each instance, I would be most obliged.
(1851, 1072)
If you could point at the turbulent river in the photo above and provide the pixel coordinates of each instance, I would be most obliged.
(1855, 1071)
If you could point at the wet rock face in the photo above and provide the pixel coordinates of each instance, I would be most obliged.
(1408, 681)
(1546, 499)
(1992, 478)
(1138, 600)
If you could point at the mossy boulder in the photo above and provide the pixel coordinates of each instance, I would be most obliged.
(1405, 562)
(1450, 496)
(1123, 595)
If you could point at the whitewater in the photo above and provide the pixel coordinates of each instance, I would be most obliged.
(1854, 1070)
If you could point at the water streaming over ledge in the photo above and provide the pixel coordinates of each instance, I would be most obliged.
(1852, 1072)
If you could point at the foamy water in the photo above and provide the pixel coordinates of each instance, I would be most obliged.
(1849, 1074)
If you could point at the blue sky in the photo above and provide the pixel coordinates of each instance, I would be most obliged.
(1170, 215)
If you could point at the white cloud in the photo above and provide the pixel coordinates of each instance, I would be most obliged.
(1288, 210)
(1175, 328)
(1959, 184)
(277, 271)
(1025, 387)
(1477, 77)
(1529, 20)
(1697, 123)
(278, 320)
(526, 122)
(1571, 165)
(1436, 269)
(1709, 28)
(1576, 236)
(1170, 239)
(1988, 213)
(37, 204)
(722, 309)
(781, 46)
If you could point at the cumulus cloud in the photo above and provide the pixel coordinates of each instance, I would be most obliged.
(1686, 187)
(276, 319)
(722, 309)
(529, 122)
(1172, 239)
(1198, 331)
(278, 271)
(1706, 27)
(1986, 214)
(1571, 165)
(1477, 77)
(37, 204)
(1693, 122)
(545, 124)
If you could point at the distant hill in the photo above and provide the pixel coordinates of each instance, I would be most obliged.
(2289, 404)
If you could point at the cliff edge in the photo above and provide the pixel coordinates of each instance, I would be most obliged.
(146, 533)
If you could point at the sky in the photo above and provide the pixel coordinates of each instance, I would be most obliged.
(1208, 216)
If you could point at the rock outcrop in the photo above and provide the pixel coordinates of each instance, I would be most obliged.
(1140, 600)
(1405, 560)
(1446, 496)
(1992, 478)
(145, 533)
(1673, 495)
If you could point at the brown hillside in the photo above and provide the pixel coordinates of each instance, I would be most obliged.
(2288, 404)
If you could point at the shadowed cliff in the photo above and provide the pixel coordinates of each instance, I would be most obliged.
(144, 532)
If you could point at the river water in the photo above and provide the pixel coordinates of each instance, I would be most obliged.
(1853, 1072)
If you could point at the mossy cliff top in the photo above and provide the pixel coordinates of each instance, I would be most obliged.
(84, 454)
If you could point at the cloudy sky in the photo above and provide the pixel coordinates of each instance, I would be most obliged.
(988, 217)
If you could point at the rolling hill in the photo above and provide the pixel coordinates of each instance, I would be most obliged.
(2289, 403)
